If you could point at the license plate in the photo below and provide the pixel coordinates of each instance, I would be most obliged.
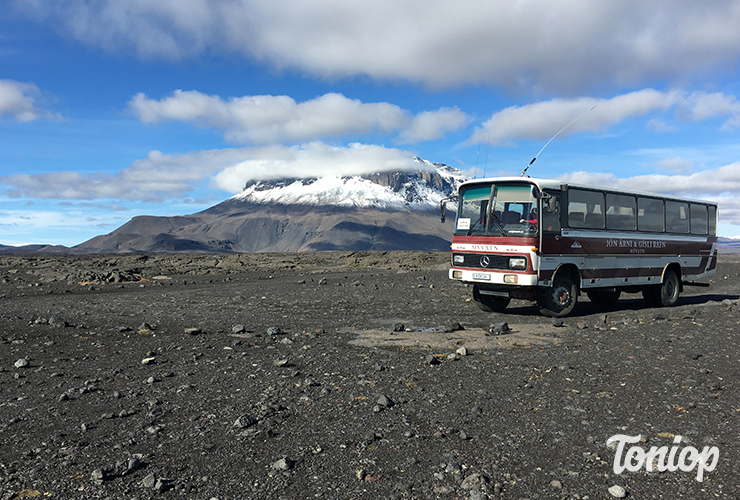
(480, 276)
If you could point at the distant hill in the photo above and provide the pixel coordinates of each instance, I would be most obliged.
(379, 211)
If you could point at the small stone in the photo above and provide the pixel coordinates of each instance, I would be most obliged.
(399, 327)
(360, 474)
(617, 491)
(151, 380)
(274, 330)
(281, 362)
(557, 323)
(556, 484)
(134, 464)
(384, 400)
(193, 331)
(149, 481)
(462, 351)
(238, 329)
(148, 361)
(473, 481)
(98, 476)
(453, 326)
(431, 359)
(21, 363)
(245, 421)
(283, 464)
(499, 328)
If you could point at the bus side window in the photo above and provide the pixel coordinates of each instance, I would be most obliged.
(712, 220)
(677, 217)
(590, 205)
(650, 216)
(551, 220)
(698, 219)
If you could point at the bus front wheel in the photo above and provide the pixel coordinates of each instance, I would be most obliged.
(560, 299)
(488, 303)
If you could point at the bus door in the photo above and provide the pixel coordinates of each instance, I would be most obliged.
(550, 239)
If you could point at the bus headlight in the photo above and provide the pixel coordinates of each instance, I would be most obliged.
(458, 258)
(517, 263)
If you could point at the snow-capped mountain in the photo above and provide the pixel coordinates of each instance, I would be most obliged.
(379, 211)
(393, 190)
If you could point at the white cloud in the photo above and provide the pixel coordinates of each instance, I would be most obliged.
(544, 119)
(677, 165)
(18, 100)
(429, 125)
(313, 160)
(159, 176)
(565, 46)
(268, 119)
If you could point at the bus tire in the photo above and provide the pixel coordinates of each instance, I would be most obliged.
(604, 296)
(665, 294)
(669, 289)
(488, 303)
(560, 299)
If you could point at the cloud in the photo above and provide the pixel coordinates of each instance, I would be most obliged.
(18, 100)
(709, 182)
(159, 177)
(313, 160)
(265, 119)
(542, 120)
(677, 165)
(564, 46)
(429, 125)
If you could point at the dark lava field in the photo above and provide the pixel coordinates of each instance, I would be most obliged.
(352, 375)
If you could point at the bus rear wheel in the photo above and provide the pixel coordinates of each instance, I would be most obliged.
(560, 299)
(665, 294)
(489, 303)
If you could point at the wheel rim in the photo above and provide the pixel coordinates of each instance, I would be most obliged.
(670, 288)
(560, 296)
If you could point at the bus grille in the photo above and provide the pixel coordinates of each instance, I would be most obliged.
(473, 260)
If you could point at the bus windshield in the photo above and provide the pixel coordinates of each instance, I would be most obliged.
(497, 210)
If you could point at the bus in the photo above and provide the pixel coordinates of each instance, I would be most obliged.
(549, 241)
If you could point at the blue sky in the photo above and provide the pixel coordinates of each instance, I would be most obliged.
(115, 108)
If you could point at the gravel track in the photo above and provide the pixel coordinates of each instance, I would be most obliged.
(241, 376)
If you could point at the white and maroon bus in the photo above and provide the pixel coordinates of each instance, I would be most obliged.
(545, 240)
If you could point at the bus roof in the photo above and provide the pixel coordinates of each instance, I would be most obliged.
(561, 185)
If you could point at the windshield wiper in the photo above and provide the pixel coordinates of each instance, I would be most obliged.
(498, 224)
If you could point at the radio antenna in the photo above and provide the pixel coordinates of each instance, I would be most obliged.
(554, 136)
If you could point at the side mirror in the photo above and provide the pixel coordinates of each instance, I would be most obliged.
(551, 202)
(443, 210)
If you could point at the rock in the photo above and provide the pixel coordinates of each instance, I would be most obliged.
(245, 421)
(462, 351)
(473, 481)
(149, 481)
(360, 474)
(499, 328)
(193, 331)
(399, 327)
(134, 464)
(97, 476)
(21, 363)
(556, 484)
(148, 361)
(384, 400)
(557, 322)
(453, 326)
(431, 359)
(274, 330)
(284, 463)
(238, 329)
(617, 491)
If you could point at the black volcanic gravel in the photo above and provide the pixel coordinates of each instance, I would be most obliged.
(210, 376)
